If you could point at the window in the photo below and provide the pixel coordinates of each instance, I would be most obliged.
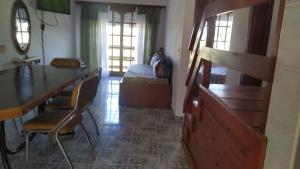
(223, 32)
(204, 36)
(122, 39)
(222, 39)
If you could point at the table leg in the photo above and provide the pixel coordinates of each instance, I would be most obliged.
(3, 147)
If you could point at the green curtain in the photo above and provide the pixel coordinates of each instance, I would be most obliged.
(90, 33)
(152, 20)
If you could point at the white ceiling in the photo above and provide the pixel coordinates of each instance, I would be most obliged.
(140, 2)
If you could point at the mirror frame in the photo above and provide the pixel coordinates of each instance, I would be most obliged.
(19, 4)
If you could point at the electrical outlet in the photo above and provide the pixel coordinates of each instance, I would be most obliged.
(2, 48)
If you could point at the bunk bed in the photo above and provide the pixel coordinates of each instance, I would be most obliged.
(224, 126)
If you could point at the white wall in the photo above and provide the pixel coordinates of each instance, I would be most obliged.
(5, 34)
(283, 126)
(161, 33)
(77, 34)
(180, 15)
(58, 40)
(239, 40)
(141, 2)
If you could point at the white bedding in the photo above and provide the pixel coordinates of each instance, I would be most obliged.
(142, 74)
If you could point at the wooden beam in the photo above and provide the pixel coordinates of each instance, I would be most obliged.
(210, 39)
(278, 28)
(199, 32)
(194, 52)
(197, 61)
(200, 5)
(194, 34)
(2, 48)
(257, 66)
(215, 7)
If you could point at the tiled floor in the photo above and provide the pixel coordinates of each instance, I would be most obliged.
(130, 139)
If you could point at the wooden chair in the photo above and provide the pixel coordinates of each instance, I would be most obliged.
(57, 122)
(66, 63)
(63, 102)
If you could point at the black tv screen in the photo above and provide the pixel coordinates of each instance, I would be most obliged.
(57, 6)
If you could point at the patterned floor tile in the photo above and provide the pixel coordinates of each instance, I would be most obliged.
(129, 138)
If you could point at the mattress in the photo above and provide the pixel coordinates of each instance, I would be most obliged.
(219, 71)
(218, 75)
(142, 74)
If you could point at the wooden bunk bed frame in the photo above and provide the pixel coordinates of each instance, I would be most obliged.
(224, 125)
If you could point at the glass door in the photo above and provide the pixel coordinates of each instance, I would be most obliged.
(122, 37)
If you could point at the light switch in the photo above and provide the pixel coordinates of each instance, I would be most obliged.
(2, 48)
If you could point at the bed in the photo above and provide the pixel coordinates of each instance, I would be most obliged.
(228, 120)
(218, 75)
(139, 87)
(224, 125)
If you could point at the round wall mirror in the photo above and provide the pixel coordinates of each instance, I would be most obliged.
(20, 27)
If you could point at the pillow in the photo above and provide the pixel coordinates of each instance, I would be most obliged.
(154, 58)
(163, 68)
(157, 55)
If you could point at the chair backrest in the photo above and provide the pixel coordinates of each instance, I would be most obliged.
(74, 104)
(66, 63)
(88, 91)
(83, 95)
(75, 95)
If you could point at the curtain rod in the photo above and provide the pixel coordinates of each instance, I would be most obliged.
(115, 3)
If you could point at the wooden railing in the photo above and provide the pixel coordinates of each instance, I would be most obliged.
(215, 7)
(257, 66)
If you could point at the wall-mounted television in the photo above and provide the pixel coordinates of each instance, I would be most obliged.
(57, 6)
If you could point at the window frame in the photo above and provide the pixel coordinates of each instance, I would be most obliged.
(121, 58)
(229, 22)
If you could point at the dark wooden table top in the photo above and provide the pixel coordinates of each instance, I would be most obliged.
(26, 87)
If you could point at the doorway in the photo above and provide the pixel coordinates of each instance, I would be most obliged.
(122, 41)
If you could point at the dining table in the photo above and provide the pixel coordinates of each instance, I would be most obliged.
(25, 87)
